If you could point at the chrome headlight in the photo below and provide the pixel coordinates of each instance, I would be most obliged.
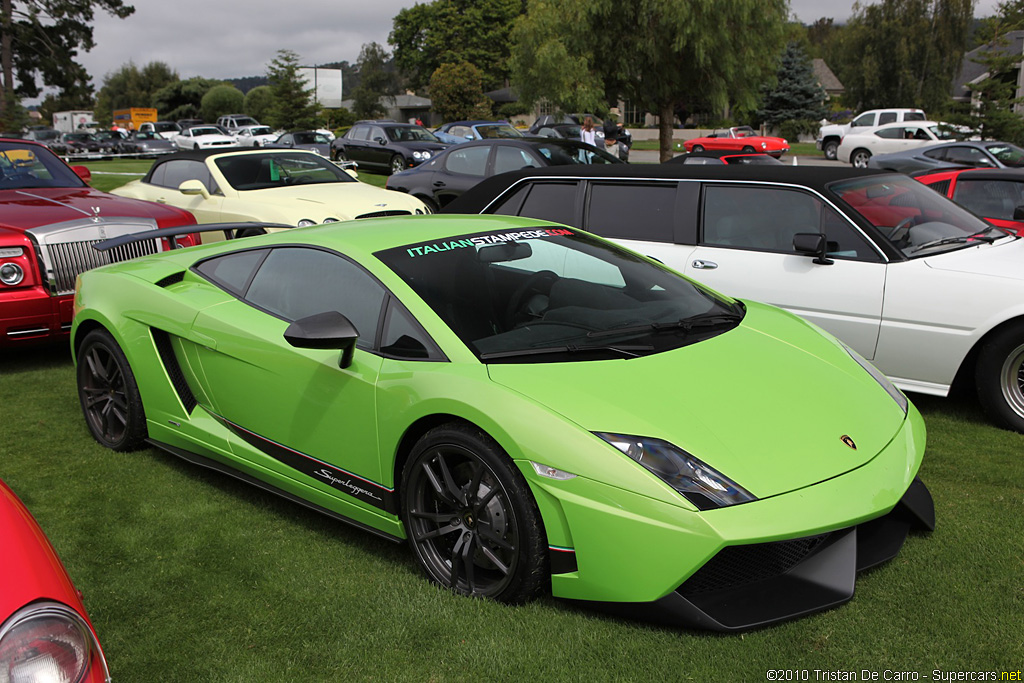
(11, 274)
(421, 156)
(698, 482)
(304, 223)
(46, 642)
(885, 382)
(330, 220)
(764, 145)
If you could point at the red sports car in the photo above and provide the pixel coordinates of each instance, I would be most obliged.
(713, 158)
(739, 139)
(995, 194)
(49, 218)
(45, 634)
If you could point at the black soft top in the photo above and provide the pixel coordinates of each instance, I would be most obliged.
(814, 177)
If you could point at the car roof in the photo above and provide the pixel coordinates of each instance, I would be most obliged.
(814, 177)
(1016, 174)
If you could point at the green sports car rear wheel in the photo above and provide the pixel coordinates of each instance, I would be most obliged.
(470, 517)
(108, 393)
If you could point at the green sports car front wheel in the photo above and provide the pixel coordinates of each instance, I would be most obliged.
(470, 517)
(109, 394)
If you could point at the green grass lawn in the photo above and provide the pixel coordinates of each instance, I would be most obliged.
(190, 575)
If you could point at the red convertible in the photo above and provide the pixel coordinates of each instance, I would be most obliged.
(49, 218)
(45, 634)
(739, 139)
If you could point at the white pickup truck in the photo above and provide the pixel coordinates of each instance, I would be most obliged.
(829, 137)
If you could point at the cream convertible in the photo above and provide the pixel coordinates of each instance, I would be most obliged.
(294, 187)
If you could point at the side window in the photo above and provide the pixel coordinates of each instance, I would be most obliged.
(178, 171)
(376, 134)
(913, 116)
(989, 198)
(295, 282)
(512, 203)
(890, 133)
(632, 211)
(970, 156)
(512, 159)
(937, 154)
(404, 338)
(358, 133)
(886, 117)
(233, 271)
(863, 120)
(942, 187)
(470, 161)
(157, 176)
(766, 219)
(551, 202)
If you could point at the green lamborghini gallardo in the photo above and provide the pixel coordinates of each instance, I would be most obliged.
(535, 409)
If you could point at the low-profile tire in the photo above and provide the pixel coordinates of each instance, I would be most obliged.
(698, 148)
(999, 376)
(859, 158)
(831, 150)
(430, 203)
(748, 150)
(397, 164)
(470, 517)
(109, 396)
(195, 147)
(339, 155)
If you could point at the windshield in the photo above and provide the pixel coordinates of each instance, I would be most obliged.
(498, 131)
(410, 134)
(1008, 155)
(574, 153)
(554, 294)
(23, 166)
(915, 218)
(279, 169)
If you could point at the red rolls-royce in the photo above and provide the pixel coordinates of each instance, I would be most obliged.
(49, 218)
(45, 633)
(739, 139)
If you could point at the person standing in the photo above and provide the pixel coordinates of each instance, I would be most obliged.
(587, 133)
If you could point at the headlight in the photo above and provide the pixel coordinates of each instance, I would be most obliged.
(330, 220)
(11, 252)
(11, 274)
(764, 145)
(305, 223)
(890, 388)
(421, 156)
(45, 643)
(699, 483)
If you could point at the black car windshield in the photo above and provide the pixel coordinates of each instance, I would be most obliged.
(279, 169)
(410, 134)
(1008, 155)
(573, 153)
(550, 294)
(916, 219)
(23, 166)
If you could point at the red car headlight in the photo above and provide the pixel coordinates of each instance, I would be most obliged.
(46, 642)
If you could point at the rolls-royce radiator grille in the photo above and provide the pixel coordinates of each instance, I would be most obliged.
(68, 259)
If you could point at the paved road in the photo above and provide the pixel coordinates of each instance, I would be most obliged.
(646, 156)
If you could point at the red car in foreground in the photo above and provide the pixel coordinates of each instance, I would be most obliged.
(995, 194)
(738, 139)
(49, 218)
(45, 634)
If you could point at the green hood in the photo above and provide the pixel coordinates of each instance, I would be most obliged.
(768, 413)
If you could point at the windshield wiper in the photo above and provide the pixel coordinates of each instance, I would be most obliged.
(629, 351)
(961, 238)
(704, 320)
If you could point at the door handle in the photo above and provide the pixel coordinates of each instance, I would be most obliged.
(701, 264)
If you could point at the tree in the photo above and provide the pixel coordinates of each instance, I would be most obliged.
(131, 86)
(425, 36)
(183, 99)
(658, 54)
(39, 40)
(258, 102)
(293, 105)
(221, 100)
(904, 53)
(456, 92)
(375, 82)
(797, 96)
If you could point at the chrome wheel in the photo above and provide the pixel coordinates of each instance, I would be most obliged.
(1011, 380)
(1000, 376)
(831, 149)
(397, 163)
(859, 159)
(470, 518)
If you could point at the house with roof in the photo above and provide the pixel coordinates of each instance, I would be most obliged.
(973, 72)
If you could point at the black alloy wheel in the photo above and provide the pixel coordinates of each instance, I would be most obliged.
(470, 517)
(109, 396)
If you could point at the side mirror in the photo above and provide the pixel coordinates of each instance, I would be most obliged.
(812, 244)
(83, 173)
(380, 141)
(1018, 213)
(194, 187)
(328, 330)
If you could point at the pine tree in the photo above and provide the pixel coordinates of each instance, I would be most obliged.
(797, 96)
(293, 107)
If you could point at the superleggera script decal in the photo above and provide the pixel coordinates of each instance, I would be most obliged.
(483, 240)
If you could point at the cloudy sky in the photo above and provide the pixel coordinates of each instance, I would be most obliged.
(235, 38)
